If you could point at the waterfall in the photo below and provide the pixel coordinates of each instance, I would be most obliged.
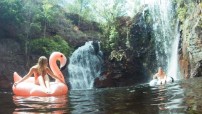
(85, 65)
(173, 68)
(166, 34)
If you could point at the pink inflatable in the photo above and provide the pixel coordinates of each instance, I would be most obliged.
(29, 88)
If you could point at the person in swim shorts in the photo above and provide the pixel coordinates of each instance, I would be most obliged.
(161, 76)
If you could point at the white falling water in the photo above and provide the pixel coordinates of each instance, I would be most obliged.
(166, 34)
(84, 66)
(173, 64)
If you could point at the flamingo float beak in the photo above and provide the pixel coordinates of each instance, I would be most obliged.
(63, 62)
(58, 56)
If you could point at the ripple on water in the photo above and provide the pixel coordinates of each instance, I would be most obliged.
(40, 104)
(141, 99)
(170, 98)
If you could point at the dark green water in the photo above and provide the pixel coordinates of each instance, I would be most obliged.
(141, 99)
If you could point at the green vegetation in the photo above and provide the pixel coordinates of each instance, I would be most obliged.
(117, 55)
(35, 23)
(182, 13)
(107, 16)
(26, 21)
(113, 38)
(45, 46)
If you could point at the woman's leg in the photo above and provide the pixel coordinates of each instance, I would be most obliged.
(47, 82)
(42, 83)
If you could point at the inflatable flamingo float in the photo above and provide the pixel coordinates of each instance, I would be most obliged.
(57, 88)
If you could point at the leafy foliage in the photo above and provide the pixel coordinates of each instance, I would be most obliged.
(80, 7)
(113, 38)
(10, 17)
(182, 13)
(45, 46)
(33, 19)
(106, 13)
(117, 55)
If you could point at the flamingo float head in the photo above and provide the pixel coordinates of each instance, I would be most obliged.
(58, 56)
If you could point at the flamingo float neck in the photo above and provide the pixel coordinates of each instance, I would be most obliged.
(54, 57)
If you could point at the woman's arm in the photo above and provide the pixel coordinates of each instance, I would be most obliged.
(31, 71)
(53, 75)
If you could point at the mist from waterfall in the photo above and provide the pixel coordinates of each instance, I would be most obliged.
(166, 34)
(84, 66)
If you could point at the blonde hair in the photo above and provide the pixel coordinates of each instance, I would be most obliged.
(42, 61)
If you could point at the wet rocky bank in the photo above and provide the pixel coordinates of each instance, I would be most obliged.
(193, 94)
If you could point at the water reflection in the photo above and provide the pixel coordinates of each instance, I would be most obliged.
(40, 104)
(141, 99)
(169, 99)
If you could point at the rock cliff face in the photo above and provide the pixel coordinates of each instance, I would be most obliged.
(127, 66)
(191, 38)
(11, 59)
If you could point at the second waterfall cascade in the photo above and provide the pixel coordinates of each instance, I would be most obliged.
(84, 66)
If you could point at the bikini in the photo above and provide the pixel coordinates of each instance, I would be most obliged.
(161, 80)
